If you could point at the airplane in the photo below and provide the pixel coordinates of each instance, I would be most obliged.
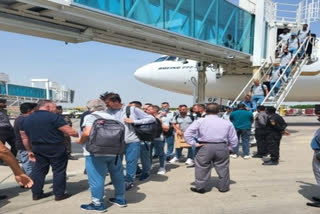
(178, 75)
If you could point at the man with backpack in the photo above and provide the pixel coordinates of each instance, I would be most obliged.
(260, 132)
(258, 92)
(275, 127)
(136, 118)
(180, 123)
(158, 142)
(103, 143)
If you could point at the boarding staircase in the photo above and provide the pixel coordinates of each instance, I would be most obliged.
(286, 83)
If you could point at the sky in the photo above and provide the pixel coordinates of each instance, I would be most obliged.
(89, 68)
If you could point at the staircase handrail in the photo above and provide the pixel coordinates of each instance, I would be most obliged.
(305, 42)
(254, 76)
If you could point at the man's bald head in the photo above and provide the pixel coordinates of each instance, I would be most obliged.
(212, 108)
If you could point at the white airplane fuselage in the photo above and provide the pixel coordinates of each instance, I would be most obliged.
(176, 76)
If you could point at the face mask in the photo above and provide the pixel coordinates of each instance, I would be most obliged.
(165, 109)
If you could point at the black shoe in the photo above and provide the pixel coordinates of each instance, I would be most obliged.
(317, 204)
(201, 191)
(270, 163)
(316, 199)
(84, 171)
(70, 157)
(43, 195)
(129, 185)
(257, 156)
(138, 172)
(223, 191)
(60, 198)
(2, 197)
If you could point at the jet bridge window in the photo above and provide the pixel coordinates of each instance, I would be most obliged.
(161, 59)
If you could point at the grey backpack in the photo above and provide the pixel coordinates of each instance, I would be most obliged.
(106, 137)
(4, 120)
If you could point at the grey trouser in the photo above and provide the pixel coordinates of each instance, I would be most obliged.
(218, 156)
(316, 168)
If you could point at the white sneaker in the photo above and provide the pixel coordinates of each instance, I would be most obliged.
(246, 157)
(189, 162)
(161, 171)
(174, 160)
(234, 156)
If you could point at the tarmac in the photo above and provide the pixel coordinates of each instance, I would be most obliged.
(285, 188)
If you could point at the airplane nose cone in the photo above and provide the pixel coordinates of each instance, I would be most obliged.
(143, 74)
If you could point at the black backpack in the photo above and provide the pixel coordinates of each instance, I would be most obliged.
(280, 125)
(159, 128)
(145, 132)
(106, 137)
(169, 132)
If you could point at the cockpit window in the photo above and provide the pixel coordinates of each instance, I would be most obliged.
(181, 59)
(161, 59)
(171, 58)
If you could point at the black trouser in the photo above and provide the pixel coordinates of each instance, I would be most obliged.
(7, 135)
(273, 139)
(260, 135)
(47, 155)
(67, 142)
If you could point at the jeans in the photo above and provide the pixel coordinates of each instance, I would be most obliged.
(293, 50)
(159, 147)
(190, 155)
(244, 135)
(256, 99)
(132, 156)
(97, 169)
(288, 71)
(276, 89)
(27, 165)
(170, 145)
(145, 157)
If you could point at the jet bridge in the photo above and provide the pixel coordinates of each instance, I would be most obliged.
(213, 31)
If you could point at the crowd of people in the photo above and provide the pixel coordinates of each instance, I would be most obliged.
(289, 44)
(110, 134)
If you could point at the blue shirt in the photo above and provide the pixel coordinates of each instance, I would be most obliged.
(241, 119)
(248, 105)
(42, 127)
(315, 142)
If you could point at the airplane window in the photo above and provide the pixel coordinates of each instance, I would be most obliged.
(171, 58)
(161, 59)
(181, 59)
